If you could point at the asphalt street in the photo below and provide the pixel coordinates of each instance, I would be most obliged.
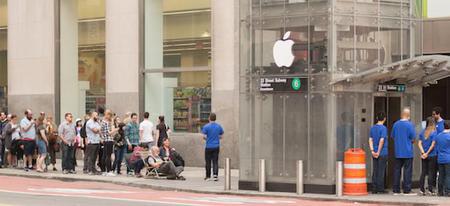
(20, 191)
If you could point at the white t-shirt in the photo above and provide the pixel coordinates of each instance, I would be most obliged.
(147, 128)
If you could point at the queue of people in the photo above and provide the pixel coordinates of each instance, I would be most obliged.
(433, 143)
(106, 143)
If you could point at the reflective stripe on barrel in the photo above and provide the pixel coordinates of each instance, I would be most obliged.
(355, 182)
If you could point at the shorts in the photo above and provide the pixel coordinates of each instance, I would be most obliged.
(42, 147)
(29, 147)
(14, 147)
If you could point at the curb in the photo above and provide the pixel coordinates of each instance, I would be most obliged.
(237, 193)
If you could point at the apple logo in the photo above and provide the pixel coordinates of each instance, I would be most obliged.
(282, 51)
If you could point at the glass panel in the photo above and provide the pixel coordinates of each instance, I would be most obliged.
(178, 36)
(367, 7)
(82, 60)
(345, 44)
(405, 38)
(390, 8)
(318, 52)
(345, 121)
(417, 28)
(299, 34)
(367, 43)
(295, 133)
(247, 154)
(390, 32)
(3, 55)
(320, 161)
(345, 7)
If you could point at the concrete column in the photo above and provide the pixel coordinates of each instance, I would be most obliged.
(31, 56)
(225, 90)
(69, 59)
(122, 56)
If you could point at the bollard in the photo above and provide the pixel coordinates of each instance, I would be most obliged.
(227, 174)
(339, 171)
(300, 177)
(262, 175)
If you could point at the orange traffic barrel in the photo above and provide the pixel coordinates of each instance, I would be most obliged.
(355, 182)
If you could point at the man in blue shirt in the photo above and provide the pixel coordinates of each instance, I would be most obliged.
(212, 134)
(378, 148)
(443, 150)
(436, 113)
(403, 133)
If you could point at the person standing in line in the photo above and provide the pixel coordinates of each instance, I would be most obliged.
(53, 144)
(379, 148)
(3, 122)
(12, 138)
(436, 114)
(443, 151)
(162, 131)
(93, 130)
(132, 133)
(120, 148)
(28, 131)
(429, 156)
(404, 134)
(67, 133)
(212, 134)
(107, 133)
(146, 132)
(42, 143)
(78, 140)
(127, 118)
(84, 142)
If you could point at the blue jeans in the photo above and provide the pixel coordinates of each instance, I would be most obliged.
(119, 154)
(444, 179)
(67, 157)
(406, 164)
(379, 170)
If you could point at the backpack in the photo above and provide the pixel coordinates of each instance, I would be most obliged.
(83, 130)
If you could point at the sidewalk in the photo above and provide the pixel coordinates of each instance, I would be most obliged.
(195, 183)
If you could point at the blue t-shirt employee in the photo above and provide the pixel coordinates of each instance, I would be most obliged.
(404, 134)
(436, 114)
(443, 151)
(212, 134)
(379, 148)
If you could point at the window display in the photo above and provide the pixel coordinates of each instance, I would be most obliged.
(178, 58)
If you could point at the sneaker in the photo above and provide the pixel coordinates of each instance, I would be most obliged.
(431, 193)
(65, 172)
(72, 172)
(215, 178)
(422, 193)
(138, 175)
(26, 169)
(91, 173)
(110, 174)
(104, 173)
(207, 179)
(397, 193)
(85, 172)
(181, 178)
(409, 194)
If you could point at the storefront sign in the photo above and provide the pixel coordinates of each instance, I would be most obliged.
(283, 84)
(391, 88)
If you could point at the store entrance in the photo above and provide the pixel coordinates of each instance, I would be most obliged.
(391, 106)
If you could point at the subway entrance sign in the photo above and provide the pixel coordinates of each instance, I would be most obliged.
(283, 84)
(391, 88)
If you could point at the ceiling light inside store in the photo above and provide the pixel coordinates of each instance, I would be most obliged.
(206, 34)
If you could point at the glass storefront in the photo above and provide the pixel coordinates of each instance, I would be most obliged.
(178, 62)
(3, 55)
(333, 39)
(82, 56)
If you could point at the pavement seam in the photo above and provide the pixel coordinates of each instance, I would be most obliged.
(237, 193)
